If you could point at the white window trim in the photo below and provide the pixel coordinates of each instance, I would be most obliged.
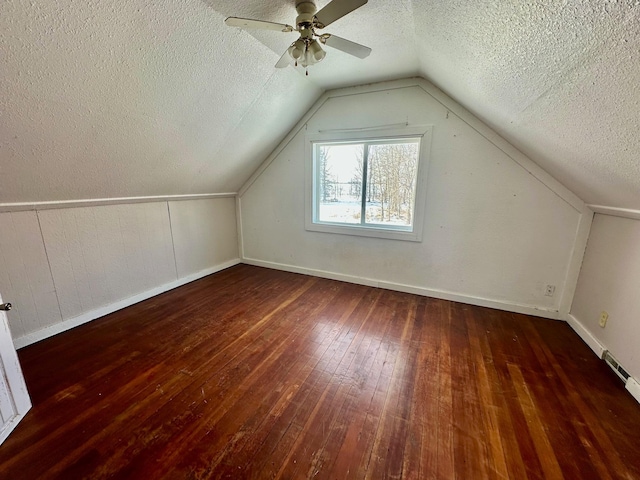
(423, 131)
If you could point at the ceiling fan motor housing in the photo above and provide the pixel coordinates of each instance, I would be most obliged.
(306, 11)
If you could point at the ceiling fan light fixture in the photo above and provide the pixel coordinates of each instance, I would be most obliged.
(306, 60)
(316, 50)
(297, 49)
(307, 49)
(305, 52)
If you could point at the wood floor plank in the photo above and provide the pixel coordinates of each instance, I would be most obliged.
(562, 423)
(388, 450)
(363, 421)
(308, 449)
(276, 452)
(496, 465)
(505, 433)
(546, 454)
(258, 373)
(353, 379)
(599, 442)
(237, 454)
(417, 397)
(244, 379)
(285, 417)
(444, 433)
(185, 383)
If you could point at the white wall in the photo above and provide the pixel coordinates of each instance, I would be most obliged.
(25, 276)
(99, 255)
(497, 228)
(204, 233)
(63, 267)
(610, 281)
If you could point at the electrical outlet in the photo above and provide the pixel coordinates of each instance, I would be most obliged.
(550, 290)
(604, 316)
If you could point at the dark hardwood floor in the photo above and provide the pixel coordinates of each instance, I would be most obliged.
(256, 373)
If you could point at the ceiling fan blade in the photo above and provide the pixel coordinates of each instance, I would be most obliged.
(347, 46)
(335, 10)
(285, 60)
(249, 23)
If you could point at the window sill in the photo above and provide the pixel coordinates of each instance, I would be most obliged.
(364, 231)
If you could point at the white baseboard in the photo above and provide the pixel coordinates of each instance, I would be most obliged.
(426, 292)
(586, 336)
(599, 349)
(70, 323)
(634, 388)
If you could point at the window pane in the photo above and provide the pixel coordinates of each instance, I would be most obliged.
(339, 183)
(391, 183)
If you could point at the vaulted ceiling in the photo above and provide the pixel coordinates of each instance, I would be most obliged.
(103, 99)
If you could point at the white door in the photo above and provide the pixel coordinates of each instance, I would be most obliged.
(14, 398)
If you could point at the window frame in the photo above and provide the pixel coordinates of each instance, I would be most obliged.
(393, 232)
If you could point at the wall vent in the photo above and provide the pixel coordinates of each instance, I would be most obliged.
(615, 366)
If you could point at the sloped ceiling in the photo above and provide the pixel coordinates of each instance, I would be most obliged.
(137, 97)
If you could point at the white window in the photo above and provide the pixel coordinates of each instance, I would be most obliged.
(359, 184)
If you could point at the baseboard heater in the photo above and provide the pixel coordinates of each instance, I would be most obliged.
(615, 366)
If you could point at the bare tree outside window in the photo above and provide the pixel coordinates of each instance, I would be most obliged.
(392, 183)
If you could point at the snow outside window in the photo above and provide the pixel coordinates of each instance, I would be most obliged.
(368, 186)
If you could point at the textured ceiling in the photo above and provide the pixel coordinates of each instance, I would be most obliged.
(137, 97)
(559, 79)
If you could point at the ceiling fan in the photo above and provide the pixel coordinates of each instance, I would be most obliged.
(306, 50)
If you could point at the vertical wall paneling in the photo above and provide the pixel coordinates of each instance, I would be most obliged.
(239, 226)
(25, 278)
(173, 244)
(100, 255)
(575, 264)
(66, 266)
(204, 234)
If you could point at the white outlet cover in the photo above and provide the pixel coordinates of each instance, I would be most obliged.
(604, 316)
